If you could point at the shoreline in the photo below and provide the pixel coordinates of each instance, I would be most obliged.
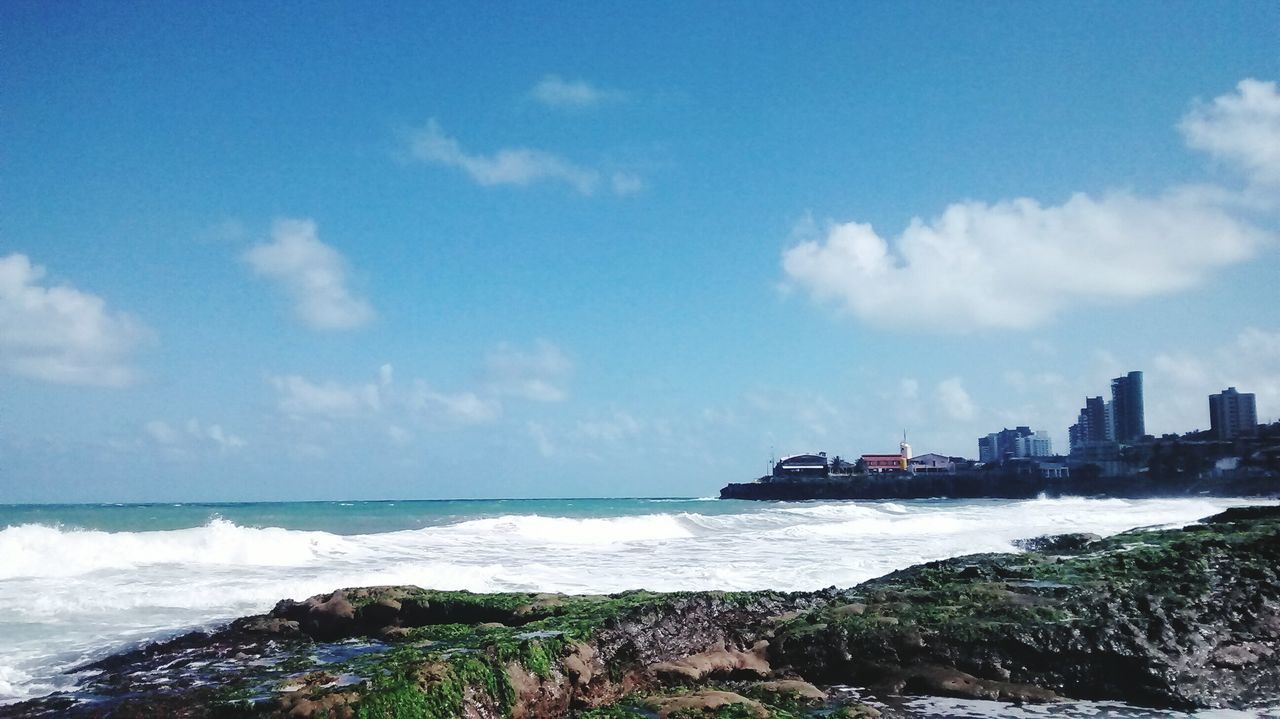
(571, 655)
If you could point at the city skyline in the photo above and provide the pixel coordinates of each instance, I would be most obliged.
(262, 253)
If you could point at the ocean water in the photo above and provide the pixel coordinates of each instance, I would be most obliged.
(78, 582)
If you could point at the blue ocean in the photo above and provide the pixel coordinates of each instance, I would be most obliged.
(81, 581)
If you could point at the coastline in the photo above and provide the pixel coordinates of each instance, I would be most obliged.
(991, 485)
(1078, 617)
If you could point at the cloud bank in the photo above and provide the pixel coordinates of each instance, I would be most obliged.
(60, 334)
(312, 273)
(1016, 264)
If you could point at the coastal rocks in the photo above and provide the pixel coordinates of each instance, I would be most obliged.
(709, 702)
(794, 689)
(1057, 543)
(719, 662)
(1185, 619)
(1179, 618)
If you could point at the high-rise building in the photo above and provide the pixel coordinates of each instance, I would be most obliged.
(987, 448)
(1033, 445)
(1017, 442)
(1232, 414)
(1126, 405)
(1091, 424)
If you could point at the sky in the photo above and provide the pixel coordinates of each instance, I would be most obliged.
(439, 250)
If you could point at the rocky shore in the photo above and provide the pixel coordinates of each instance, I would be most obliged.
(1183, 618)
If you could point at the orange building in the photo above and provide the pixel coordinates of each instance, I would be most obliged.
(884, 462)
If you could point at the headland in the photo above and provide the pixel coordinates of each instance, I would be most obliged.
(1194, 464)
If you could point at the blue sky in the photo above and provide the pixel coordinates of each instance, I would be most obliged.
(255, 252)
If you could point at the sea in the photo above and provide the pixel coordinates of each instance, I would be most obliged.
(79, 582)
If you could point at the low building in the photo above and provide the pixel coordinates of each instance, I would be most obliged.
(884, 463)
(1053, 470)
(931, 464)
(801, 467)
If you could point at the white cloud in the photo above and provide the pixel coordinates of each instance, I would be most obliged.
(813, 412)
(300, 397)
(625, 183)
(908, 388)
(194, 434)
(459, 407)
(161, 432)
(541, 438)
(1241, 129)
(512, 166)
(60, 334)
(539, 374)
(955, 400)
(615, 428)
(313, 273)
(1178, 387)
(555, 91)
(1017, 264)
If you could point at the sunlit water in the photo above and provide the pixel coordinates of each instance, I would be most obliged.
(79, 582)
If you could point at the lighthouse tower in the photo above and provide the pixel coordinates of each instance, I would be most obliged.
(905, 449)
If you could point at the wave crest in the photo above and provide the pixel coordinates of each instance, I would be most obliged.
(39, 550)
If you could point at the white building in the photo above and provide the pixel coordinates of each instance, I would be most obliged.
(1034, 445)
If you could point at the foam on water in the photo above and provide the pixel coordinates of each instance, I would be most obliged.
(75, 594)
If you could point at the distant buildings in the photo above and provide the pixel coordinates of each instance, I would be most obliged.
(1121, 420)
(1126, 405)
(1033, 445)
(1232, 414)
(1017, 442)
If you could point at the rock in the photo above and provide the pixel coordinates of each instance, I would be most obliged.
(376, 615)
(720, 663)
(708, 703)
(951, 682)
(793, 688)
(1244, 514)
(1057, 543)
(845, 610)
(855, 711)
(333, 617)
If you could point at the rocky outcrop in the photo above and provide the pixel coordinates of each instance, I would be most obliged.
(1185, 618)
(1179, 618)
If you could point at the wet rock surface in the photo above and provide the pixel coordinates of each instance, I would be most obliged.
(1177, 618)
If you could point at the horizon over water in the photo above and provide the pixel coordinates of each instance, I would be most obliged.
(81, 581)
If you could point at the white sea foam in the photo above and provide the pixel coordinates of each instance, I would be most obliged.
(74, 594)
(36, 550)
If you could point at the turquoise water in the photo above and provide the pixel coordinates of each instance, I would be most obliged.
(342, 517)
